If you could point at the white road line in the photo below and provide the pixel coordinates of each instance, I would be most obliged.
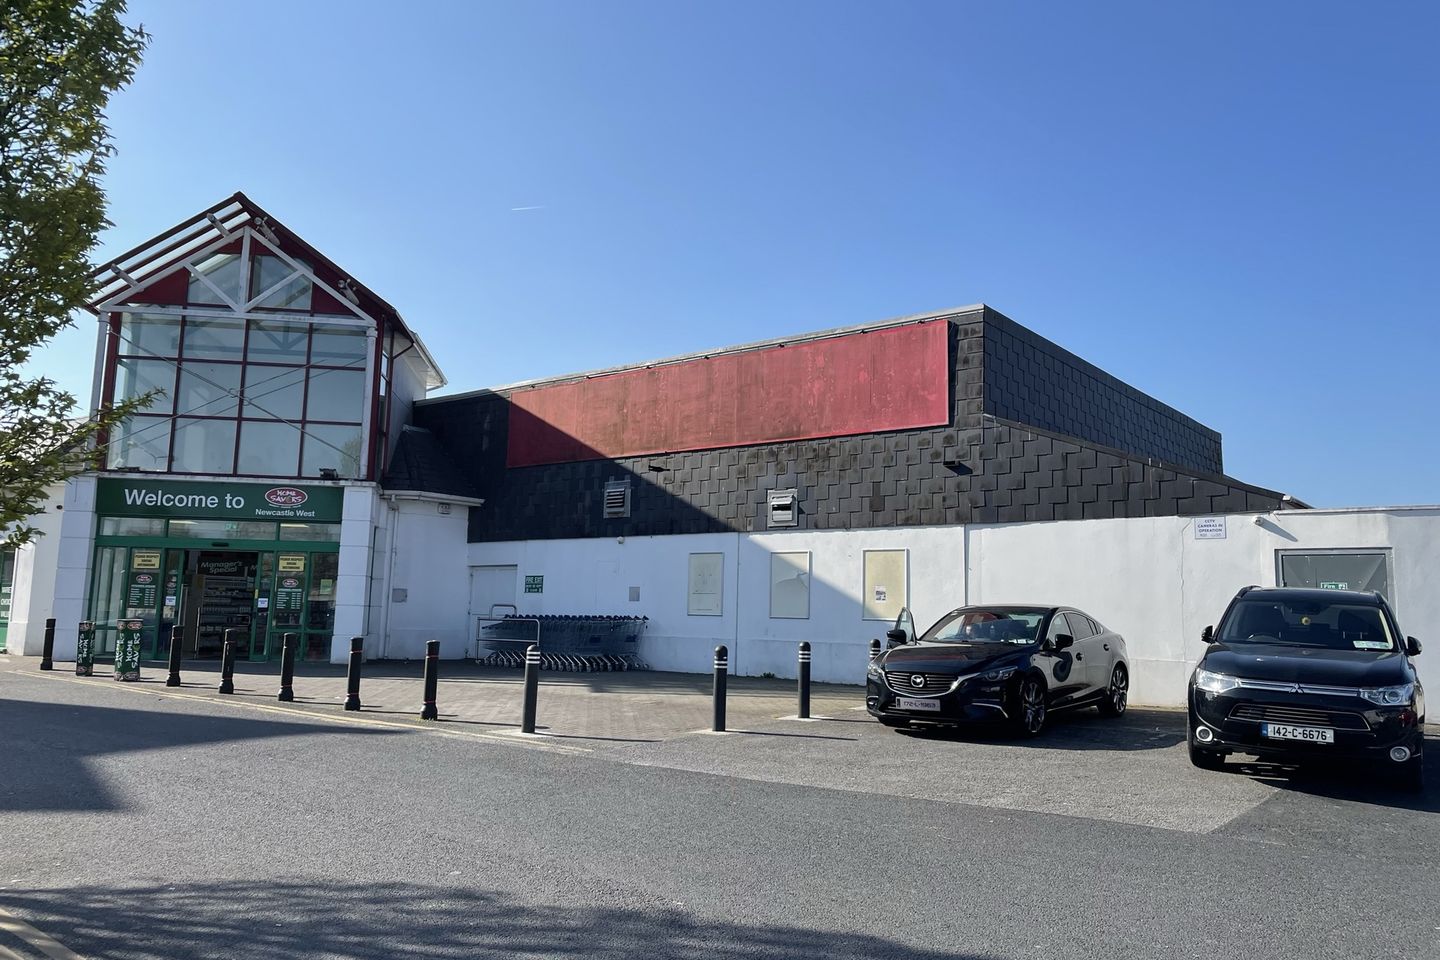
(41, 941)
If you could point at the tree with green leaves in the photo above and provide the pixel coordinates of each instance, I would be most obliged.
(60, 61)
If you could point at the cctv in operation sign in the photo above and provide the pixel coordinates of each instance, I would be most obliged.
(199, 500)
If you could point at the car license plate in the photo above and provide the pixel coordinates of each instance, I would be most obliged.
(910, 703)
(1282, 731)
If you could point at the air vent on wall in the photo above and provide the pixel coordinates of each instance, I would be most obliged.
(784, 508)
(617, 498)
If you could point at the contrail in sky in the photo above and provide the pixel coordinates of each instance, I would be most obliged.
(518, 209)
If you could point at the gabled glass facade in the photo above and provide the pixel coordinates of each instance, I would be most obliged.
(243, 394)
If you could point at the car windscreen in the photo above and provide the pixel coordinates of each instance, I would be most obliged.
(991, 625)
(1308, 623)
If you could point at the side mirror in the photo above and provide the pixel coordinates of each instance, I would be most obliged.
(1063, 641)
(1207, 636)
(897, 637)
(1412, 646)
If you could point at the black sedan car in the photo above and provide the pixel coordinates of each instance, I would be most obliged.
(1009, 664)
(1300, 675)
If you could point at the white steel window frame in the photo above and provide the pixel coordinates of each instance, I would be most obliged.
(1386, 552)
(246, 311)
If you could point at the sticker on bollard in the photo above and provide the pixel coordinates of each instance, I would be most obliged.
(127, 649)
(85, 649)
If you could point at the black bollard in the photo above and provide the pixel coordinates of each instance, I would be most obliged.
(804, 682)
(432, 678)
(722, 668)
(227, 662)
(874, 649)
(287, 668)
(352, 684)
(177, 640)
(47, 652)
(532, 688)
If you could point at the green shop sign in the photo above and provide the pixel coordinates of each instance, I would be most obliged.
(217, 501)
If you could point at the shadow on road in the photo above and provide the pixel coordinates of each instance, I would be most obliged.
(1353, 782)
(46, 765)
(404, 921)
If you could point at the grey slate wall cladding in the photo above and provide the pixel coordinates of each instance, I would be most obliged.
(980, 469)
(1031, 380)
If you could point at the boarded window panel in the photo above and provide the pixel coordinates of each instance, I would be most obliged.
(706, 584)
(886, 584)
(790, 586)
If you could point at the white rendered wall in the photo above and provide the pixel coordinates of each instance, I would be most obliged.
(594, 576)
(32, 593)
(358, 518)
(1150, 579)
(425, 560)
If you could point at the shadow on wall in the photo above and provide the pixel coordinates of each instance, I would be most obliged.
(404, 921)
(50, 770)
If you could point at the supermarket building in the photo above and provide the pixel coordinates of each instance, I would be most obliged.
(296, 477)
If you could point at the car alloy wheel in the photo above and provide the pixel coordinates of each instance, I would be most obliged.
(1117, 697)
(1032, 707)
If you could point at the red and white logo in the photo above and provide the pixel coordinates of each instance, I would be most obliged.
(286, 496)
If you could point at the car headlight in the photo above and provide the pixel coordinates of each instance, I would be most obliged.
(1390, 696)
(876, 672)
(1003, 673)
(1215, 682)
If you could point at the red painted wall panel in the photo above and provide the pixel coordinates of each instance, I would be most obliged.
(890, 379)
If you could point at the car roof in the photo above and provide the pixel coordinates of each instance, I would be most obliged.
(1311, 594)
(1036, 607)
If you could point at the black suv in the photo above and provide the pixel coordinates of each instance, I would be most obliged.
(1308, 674)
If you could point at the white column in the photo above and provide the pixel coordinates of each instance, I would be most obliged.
(352, 582)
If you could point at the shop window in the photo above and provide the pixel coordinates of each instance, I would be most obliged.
(338, 346)
(336, 395)
(1336, 570)
(269, 448)
(131, 527)
(331, 447)
(326, 532)
(209, 339)
(223, 529)
(141, 443)
(135, 378)
(149, 336)
(293, 294)
(204, 446)
(278, 341)
(223, 271)
(208, 390)
(274, 392)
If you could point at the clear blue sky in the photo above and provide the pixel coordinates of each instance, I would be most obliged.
(1231, 206)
